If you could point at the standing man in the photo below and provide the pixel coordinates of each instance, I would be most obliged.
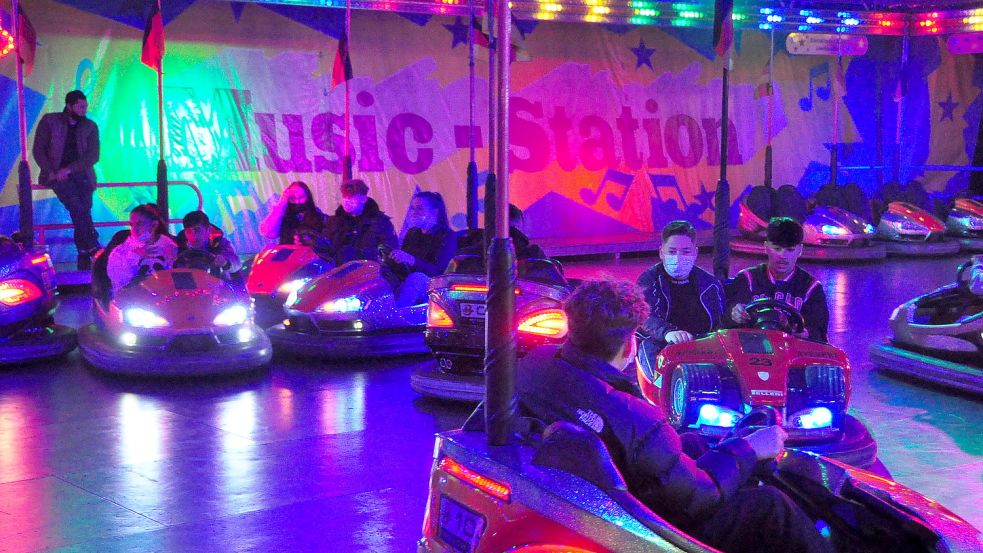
(781, 279)
(66, 147)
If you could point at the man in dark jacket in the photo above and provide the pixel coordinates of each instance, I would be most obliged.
(685, 301)
(200, 234)
(782, 280)
(710, 497)
(66, 147)
(358, 227)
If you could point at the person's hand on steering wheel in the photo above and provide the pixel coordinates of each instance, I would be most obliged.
(678, 337)
(767, 442)
(772, 314)
(401, 257)
(739, 314)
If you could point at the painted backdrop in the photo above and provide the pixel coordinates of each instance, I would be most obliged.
(614, 129)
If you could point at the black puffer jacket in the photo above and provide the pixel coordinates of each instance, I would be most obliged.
(359, 237)
(644, 446)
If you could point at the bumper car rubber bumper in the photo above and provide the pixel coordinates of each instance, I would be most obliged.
(36, 346)
(103, 353)
(969, 243)
(398, 342)
(924, 367)
(444, 385)
(870, 252)
(269, 310)
(855, 446)
(921, 249)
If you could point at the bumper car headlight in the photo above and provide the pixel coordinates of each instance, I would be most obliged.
(717, 415)
(230, 316)
(868, 228)
(291, 285)
(291, 289)
(348, 304)
(142, 318)
(833, 230)
(814, 417)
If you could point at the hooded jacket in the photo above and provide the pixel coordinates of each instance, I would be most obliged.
(359, 237)
(644, 446)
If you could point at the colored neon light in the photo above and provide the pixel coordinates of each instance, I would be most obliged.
(487, 485)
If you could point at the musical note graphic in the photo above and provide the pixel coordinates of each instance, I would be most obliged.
(805, 103)
(615, 201)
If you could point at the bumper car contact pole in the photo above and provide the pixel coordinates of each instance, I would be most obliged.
(346, 168)
(500, 333)
(769, 160)
(24, 199)
(471, 193)
(721, 198)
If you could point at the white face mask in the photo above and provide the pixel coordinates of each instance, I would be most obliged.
(679, 266)
(145, 236)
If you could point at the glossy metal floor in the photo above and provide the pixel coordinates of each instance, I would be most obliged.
(312, 457)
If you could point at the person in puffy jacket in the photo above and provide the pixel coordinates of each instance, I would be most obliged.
(426, 250)
(358, 227)
(147, 249)
(712, 497)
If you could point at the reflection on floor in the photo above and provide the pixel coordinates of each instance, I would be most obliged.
(313, 457)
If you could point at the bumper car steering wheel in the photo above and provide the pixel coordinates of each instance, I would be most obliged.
(772, 314)
(760, 417)
(198, 259)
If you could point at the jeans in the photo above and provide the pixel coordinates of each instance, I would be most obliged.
(759, 520)
(412, 290)
(75, 193)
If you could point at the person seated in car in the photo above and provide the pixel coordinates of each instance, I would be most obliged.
(293, 209)
(779, 278)
(200, 234)
(473, 243)
(684, 300)
(713, 498)
(358, 227)
(427, 248)
(147, 249)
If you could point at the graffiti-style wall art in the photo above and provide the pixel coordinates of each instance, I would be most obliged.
(615, 129)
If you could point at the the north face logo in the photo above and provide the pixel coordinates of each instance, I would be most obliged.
(591, 420)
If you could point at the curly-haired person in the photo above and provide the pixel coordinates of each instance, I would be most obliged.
(713, 498)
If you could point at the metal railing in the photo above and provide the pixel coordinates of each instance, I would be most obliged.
(43, 228)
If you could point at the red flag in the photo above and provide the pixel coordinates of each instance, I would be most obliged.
(482, 37)
(478, 34)
(27, 41)
(723, 26)
(342, 70)
(764, 83)
(153, 40)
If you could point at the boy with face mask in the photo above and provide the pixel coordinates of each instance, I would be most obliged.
(685, 301)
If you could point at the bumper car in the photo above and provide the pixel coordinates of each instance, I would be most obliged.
(348, 312)
(276, 272)
(964, 224)
(178, 322)
(28, 299)
(937, 336)
(455, 320)
(563, 493)
(830, 232)
(709, 384)
(908, 230)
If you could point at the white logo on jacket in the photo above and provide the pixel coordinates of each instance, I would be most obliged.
(591, 420)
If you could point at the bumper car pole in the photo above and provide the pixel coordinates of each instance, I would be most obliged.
(721, 197)
(25, 200)
(163, 202)
(500, 334)
(769, 160)
(471, 194)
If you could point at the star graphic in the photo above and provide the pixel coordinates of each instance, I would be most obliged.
(643, 55)
(705, 197)
(948, 109)
(460, 31)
